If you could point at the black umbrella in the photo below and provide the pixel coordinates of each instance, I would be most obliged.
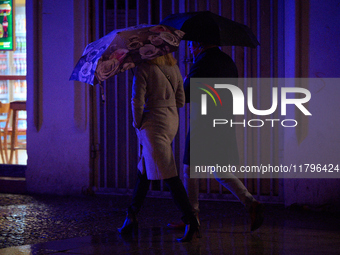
(208, 27)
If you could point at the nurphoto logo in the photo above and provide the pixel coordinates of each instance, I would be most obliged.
(294, 96)
(204, 98)
(241, 127)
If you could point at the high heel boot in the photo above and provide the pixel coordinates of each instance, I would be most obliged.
(190, 230)
(130, 224)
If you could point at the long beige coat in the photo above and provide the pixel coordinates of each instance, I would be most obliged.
(155, 117)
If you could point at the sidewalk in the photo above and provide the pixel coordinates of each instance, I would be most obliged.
(87, 225)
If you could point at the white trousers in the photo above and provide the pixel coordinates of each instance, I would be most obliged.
(232, 183)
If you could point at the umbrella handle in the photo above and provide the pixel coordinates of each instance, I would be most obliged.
(102, 92)
(101, 88)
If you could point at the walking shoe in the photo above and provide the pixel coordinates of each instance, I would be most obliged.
(130, 224)
(191, 229)
(256, 215)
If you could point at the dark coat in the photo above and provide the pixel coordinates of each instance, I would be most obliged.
(211, 63)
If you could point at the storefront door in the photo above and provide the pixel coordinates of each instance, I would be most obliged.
(13, 85)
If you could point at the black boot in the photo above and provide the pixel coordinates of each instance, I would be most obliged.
(190, 230)
(130, 224)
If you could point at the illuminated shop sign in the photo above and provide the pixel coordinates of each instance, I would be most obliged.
(6, 25)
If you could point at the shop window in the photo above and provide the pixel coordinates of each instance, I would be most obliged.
(13, 85)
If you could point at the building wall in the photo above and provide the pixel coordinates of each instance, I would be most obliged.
(318, 141)
(58, 136)
(58, 109)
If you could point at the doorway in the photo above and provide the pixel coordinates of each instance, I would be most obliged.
(13, 88)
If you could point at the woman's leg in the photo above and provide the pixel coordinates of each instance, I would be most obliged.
(139, 193)
(192, 187)
(181, 199)
(138, 197)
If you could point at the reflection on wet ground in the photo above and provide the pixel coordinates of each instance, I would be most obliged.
(87, 225)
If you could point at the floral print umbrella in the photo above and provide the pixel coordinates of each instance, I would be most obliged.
(123, 49)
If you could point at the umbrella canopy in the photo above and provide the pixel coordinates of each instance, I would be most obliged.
(122, 49)
(208, 27)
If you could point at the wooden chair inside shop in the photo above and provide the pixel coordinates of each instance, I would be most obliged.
(4, 109)
(7, 131)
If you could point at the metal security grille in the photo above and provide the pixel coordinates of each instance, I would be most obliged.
(117, 166)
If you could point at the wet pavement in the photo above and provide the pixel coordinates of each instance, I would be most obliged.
(31, 224)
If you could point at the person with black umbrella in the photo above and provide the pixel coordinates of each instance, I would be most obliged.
(206, 32)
